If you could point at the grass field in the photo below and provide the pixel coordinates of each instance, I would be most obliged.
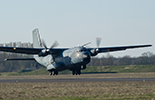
(129, 90)
(78, 91)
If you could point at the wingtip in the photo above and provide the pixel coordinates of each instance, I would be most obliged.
(150, 45)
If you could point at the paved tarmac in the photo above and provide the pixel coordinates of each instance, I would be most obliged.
(77, 80)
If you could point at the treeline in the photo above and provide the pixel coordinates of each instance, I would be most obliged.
(17, 44)
(14, 66)
(146, 58)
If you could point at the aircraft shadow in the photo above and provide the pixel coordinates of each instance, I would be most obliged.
(97, 72)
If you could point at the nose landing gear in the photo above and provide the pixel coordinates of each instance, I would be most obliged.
(55, 73)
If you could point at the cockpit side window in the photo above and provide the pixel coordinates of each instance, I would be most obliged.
(83, 49)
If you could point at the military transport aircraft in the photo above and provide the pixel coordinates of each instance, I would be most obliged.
(59, 59)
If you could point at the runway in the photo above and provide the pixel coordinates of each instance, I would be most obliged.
(77, 80)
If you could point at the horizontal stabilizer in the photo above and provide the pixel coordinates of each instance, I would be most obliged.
(9, 59)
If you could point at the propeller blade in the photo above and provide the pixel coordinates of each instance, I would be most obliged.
(86, 44)
(55, 44)
(46, 51)
(44, 44)
(98, 40)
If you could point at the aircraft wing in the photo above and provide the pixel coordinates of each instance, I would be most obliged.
(10, 59)
(119, 48)
(21, 50)
(54, 51)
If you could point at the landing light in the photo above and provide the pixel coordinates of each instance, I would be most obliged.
(78, 54)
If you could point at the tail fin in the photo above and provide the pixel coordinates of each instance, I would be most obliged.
(36, 39)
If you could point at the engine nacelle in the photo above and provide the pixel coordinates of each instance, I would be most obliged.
(93, 52)
(43, 53)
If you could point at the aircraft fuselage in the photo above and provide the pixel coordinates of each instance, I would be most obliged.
(71, 59)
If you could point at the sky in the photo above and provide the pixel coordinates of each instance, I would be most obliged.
(76, 22)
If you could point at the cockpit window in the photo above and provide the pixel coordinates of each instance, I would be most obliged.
(83, 49)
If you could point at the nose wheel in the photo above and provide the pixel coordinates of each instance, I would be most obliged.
(55, 73)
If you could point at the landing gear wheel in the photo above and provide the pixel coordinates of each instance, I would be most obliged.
(50, 73)
(73, 72)
(55, 73)
(78, 72)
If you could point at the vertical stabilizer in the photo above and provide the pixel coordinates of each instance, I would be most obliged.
(36, 39)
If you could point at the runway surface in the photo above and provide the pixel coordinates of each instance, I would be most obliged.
(76, 80)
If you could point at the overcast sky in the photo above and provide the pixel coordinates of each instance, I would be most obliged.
(76, 22)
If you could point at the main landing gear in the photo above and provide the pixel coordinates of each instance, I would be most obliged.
(55, 73)
(76, 72)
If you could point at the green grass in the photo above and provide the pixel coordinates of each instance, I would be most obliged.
(34, 72)
(78, 91)
(91, 69)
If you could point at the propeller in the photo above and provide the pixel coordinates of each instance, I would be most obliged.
(86, 44)
(44, 44)
(95, 51)
(55, 44)
(46, 51)
(98, 41)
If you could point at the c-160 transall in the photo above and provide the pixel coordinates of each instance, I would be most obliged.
(59, 59)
